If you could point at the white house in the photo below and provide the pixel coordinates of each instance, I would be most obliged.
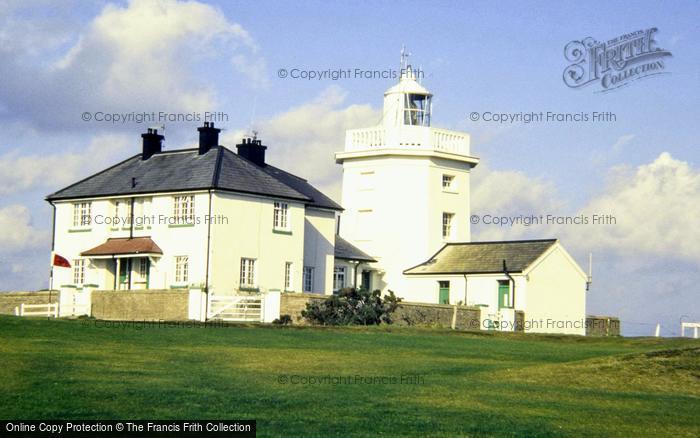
(407, 205)
(537, 277)
(227, 221)
(205, 216)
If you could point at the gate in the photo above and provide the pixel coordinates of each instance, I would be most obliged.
(238, 308)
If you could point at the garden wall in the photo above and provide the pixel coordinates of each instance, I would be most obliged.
(602, 326)
(407, 314)
(141, 305)
(10, 300)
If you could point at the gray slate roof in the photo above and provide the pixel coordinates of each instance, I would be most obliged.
(185, 169)
(483, 257)
(348, 251)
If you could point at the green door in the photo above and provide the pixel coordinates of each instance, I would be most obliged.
(503, 294)
(124, 268)
(444, 297)
(366, 281)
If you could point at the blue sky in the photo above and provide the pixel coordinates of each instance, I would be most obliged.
(477, 56)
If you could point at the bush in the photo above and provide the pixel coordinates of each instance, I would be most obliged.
(352, 307)
(283, 320)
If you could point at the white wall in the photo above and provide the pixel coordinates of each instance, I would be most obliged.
(250, 234)
(556, 295)
(70, 241)
(318, 247)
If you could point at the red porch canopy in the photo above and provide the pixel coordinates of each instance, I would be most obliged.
(124, 246)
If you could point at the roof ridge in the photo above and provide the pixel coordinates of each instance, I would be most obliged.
(491, 242)
(217, 167)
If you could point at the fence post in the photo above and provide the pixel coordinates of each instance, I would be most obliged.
(21, 309)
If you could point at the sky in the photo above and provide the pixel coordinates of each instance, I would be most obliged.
(62, 60)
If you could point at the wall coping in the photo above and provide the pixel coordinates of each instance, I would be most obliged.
(440, 306)
(602, 317)
(303, 295)
(142, 291)
(28, 293)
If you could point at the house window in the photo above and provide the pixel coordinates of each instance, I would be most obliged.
(183, 209)
(142, 269)
(448, 182)
(281, 216)
(248, 273)
(81, 214)
(182, 268)
(288, 279)
(141, 212)
(78, 272)
(122, 211)
(308, 278)
(339, 275)
(447, 225)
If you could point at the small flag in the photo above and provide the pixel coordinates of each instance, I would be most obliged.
(60, 261)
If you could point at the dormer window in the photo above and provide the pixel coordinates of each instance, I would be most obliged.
(417, 109)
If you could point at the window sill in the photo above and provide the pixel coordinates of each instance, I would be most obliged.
(72, 286)
(249, 289)
(180, 225)
(79, 230)
(453, 191)
(282, 231)
(178, 286)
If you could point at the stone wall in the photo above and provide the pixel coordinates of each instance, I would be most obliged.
(602, 326)
(438, 315)
(10, 300)
(407, 314)
(519, 321)
(293, 303)
(141, 305)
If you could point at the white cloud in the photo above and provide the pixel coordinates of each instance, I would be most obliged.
(20, 173)
(656, 207)
(18, 231)
(304, 139)
(509, 193)
(138, 57)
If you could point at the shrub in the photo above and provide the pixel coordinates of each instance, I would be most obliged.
(352, 307)
(283, 320)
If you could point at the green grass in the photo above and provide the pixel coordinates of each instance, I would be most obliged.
(471, 383)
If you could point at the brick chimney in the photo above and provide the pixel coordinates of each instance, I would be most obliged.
(252, 150)
(152, 143)
(208, 137)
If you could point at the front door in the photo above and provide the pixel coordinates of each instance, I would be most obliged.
(503, 294)
(141, 267)
(124, 270)
(366, 280)
(444, 297)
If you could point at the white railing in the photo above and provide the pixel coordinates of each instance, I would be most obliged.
(407, 137)
(48, 310)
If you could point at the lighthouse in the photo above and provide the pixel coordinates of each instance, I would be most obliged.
(405, 187)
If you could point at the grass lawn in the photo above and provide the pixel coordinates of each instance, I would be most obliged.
(467, 384)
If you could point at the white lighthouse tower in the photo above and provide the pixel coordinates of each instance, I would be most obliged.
(405, 187)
